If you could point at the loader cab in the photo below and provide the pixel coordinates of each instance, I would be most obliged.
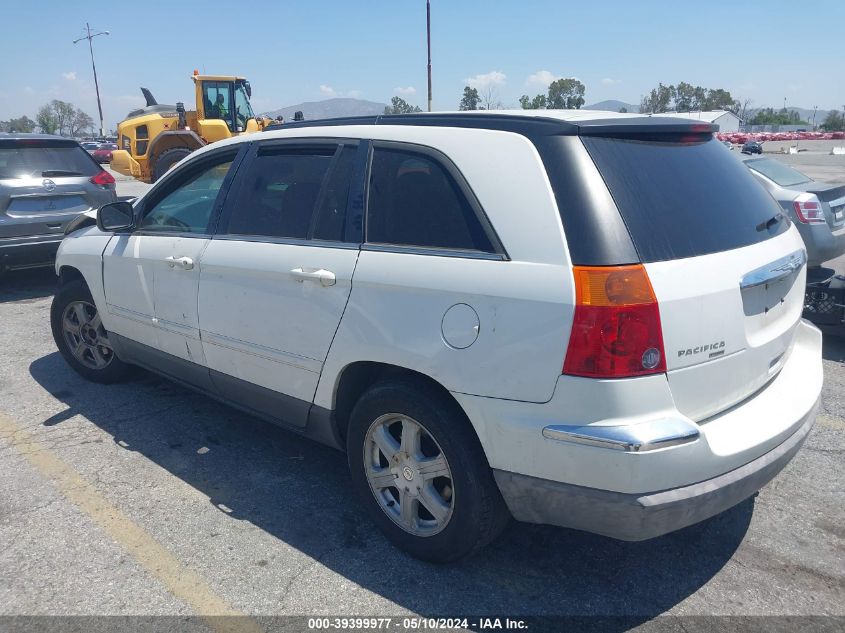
(226, 99)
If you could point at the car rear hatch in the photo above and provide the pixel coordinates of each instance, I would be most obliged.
(45, 183)
(726, 267)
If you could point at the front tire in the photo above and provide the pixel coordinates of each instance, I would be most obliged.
(80, 336)
(167, 159)
(419, 468)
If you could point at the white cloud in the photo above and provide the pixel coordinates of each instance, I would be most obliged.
(541, 78)
(70, 76)
(330, 92)
(488, 80)
(607, 81)
(410, 90)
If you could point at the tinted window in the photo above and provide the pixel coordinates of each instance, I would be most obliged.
(777, 172)
(414, 201)
(187, 207)
(279, 193)
(683, 197)
(20, 159)
(331, 214)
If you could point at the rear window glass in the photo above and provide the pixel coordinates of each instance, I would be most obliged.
(778, 172)
(683, 198)
(36, 160)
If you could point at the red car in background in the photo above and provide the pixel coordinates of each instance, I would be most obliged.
(103, 153)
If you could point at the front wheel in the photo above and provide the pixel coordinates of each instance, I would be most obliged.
(80, 336)
(167, 159)
(420, 470)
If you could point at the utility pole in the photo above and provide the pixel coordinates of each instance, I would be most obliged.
(90, 36)
(815, 108)
(428, 41)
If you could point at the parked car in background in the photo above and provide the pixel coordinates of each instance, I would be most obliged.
(103, 153)
(817, 209)
(90, 146)
(602, 347)
(752, 147)
(45, 182)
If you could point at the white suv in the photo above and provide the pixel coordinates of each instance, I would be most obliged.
(584, 319)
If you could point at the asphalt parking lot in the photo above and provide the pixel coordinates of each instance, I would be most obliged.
(146, 499)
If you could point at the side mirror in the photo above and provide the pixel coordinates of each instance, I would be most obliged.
(248, 89)
(116, 216)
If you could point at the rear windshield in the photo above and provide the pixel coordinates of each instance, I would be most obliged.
(683, 197)
(777, 172)
(53, 159)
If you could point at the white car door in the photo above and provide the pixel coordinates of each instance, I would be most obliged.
(276, 276)
(151, 275)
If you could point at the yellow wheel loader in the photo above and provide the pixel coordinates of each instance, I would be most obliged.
(154, 138)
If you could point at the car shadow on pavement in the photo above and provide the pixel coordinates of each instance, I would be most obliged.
(299, 492)
(27, 284)
(833, 348)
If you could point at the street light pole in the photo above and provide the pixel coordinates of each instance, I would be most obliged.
(428, 42)
(90, 36)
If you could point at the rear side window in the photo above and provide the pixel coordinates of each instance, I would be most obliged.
(45, 159)
(279, 194)
(683, 197)
(414, 201)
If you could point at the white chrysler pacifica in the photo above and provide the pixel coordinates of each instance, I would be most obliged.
(584, 319)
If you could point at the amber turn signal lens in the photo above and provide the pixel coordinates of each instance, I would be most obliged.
(612, 286)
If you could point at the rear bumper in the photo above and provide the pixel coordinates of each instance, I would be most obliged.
(31, 250)
(636, 517)
(822, 243)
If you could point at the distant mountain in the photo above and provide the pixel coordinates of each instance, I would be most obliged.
(330, 109)
(612, 105)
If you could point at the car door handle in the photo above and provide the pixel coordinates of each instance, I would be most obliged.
(185, 263)
(325, 277)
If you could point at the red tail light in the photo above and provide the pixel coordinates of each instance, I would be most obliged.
(102, 178)
(808, 210)
(616, 332)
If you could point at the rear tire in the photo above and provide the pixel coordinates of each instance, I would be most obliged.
(167, 159)
(80, 336)
(419, 468)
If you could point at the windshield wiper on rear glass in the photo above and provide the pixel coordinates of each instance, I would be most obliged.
(55, 173)
(764, 226)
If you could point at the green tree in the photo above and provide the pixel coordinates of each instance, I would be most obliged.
(537, 103)
(400, 106)
(80, 123)
(686, 97)
(720, 99)
(46, 120)
(833, 122)
(657, 100)
(470, 99)
(565, 94)
(623, 109)
(768, 116)
(20, 124)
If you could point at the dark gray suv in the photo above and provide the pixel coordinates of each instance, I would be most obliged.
(45, 182)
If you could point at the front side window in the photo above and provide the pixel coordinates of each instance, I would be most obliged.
(187, 208)
(414, 201)
(278, 195)
(217, 101)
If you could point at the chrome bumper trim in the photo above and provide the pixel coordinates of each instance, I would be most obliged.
(632, 438)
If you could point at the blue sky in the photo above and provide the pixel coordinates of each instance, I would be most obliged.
(373, 49)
